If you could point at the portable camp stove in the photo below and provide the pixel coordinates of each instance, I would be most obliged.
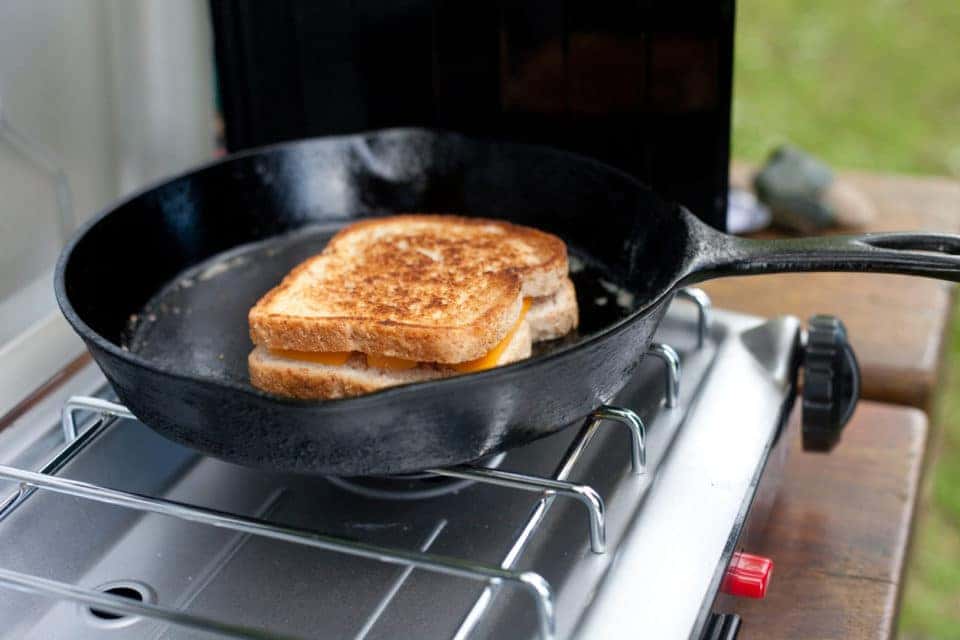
(627, 524)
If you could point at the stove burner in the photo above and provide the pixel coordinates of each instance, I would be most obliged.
(130, 589)
(123, 592)
(409, 486)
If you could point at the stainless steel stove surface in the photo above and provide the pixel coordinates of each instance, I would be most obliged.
(621, 527)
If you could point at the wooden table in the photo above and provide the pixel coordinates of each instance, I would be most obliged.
(839, 530)
(897, 324)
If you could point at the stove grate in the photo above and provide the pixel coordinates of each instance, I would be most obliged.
(495, 576)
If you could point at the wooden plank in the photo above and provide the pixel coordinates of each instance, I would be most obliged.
(904, 203)
(897, 324)
(839, 531)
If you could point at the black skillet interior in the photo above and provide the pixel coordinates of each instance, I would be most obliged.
(203, 248)
(198, 321)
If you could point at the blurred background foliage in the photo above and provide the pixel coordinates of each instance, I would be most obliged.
(872, 85)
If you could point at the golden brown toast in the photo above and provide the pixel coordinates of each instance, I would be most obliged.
(456, 243)
(429, 288)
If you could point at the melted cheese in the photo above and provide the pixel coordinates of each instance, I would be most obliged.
(490, 360)
(337, 358)
(389, 362)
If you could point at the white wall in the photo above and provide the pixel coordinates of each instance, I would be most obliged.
(55, 87)
(119, 92)
(163, 95)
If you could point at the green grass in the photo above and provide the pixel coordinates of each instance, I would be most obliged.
(873, 85)
(870, 85)
(931, 606)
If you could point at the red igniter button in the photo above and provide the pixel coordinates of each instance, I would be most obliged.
(747, 576)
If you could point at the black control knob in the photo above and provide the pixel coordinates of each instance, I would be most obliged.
(831, 383)
(722, 626)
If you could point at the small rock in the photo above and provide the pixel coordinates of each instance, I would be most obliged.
(804, 195)
(851, 207)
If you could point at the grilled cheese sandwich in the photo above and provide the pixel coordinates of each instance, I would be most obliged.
(405, 298)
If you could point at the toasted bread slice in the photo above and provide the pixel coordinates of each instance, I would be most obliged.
(312, 381)
(465, 244)
(427, 288)
(554, 316)
(326, 304)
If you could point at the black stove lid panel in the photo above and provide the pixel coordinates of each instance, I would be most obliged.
(645, 86)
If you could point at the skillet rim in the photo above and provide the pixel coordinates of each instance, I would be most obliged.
(387, 394)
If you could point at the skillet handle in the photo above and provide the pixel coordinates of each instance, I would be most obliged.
(934, 255)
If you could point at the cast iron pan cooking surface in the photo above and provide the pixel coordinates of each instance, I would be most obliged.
(160, 285)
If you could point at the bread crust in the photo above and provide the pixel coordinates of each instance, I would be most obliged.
(554, 316)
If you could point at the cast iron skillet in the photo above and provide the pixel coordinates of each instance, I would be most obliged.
(159, 288)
